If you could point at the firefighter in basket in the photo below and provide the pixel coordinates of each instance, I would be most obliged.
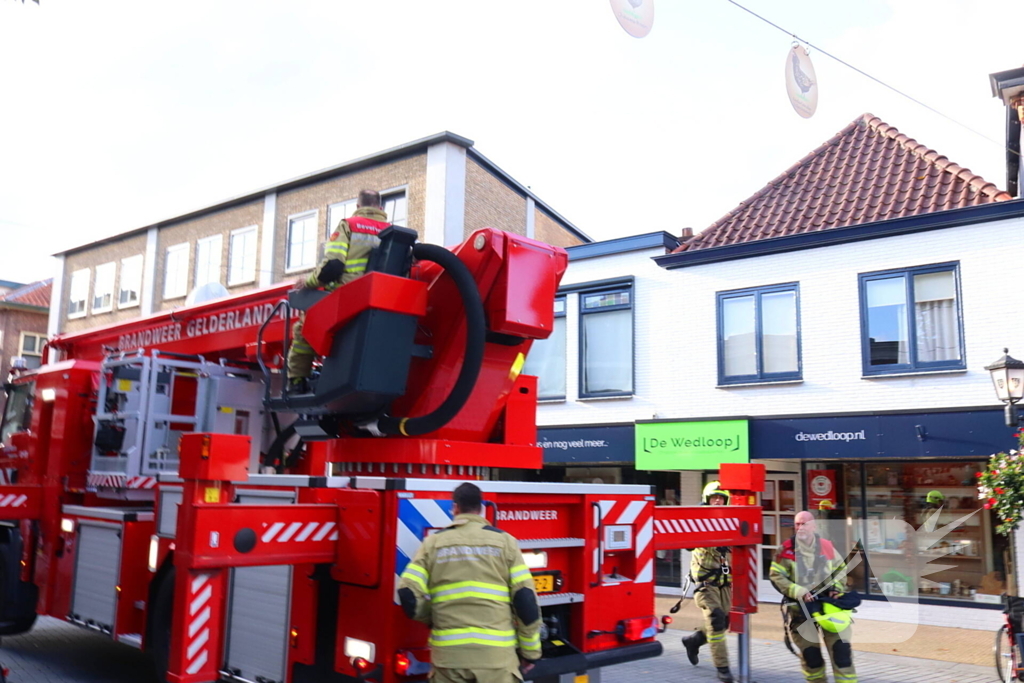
(709, 570)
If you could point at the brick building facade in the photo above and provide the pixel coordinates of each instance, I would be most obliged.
(23, 320)
(440, 186)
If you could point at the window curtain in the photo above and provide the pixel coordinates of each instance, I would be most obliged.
(938, 335)
(608, 352)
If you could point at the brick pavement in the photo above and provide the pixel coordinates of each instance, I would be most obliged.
(771, 662)
(57, 652)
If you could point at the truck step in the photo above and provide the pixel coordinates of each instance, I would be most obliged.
(531, 543)
(133, 639)
(549, 599)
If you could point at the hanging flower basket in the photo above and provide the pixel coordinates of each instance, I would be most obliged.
(1001, 486)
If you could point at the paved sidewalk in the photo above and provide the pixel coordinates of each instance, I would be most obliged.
(957, 645)
(771, 662)
(57, 652)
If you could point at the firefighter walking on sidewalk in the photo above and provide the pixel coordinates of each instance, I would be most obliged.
(810, 574)
(709, 570)
(470, 584)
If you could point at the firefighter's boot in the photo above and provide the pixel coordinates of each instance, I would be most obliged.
(692, 644)
(724, 675)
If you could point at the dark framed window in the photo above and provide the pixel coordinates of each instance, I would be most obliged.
(911, 320)
(606, 342)
(759, 334)
(546, 359)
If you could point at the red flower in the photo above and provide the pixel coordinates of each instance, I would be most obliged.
(988, 506)
(978, 474)
(1000, 491)
(991, 502)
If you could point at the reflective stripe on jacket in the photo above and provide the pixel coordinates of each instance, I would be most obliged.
(351, 243)
(465, 579)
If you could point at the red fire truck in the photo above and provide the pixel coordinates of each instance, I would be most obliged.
(162, 485)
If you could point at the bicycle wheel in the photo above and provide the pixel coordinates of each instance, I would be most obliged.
(1005, 656)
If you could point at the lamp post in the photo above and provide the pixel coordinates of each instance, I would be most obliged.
(1008, 379)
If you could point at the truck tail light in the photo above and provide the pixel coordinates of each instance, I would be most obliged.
(154, 552)
(638, 628)
(408, 664)
(293, 637)
(362, 665)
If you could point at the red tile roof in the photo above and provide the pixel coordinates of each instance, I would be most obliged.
(35, 294)
(867, 172)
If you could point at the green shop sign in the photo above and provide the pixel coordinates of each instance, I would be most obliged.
(690, 445)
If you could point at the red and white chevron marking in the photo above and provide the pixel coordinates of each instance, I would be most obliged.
(199, 612)
(12, 500)
(298, 532)
(114, 481)
(753, 581)
(141, 482)
(695, 526)
(640, 514)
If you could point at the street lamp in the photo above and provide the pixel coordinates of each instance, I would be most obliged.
(1008, 379)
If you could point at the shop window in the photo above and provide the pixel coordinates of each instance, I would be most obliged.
(758, 335)
(103, 289)
(208, 252)
(911, 320)
(242, 256)
(302, 241)
(131, 282)
(606, 342)
(879, 502)
(546, 359)
(79, 292)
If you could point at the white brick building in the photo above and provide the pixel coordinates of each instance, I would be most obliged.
(923, 417)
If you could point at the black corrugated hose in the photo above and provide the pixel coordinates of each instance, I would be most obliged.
(476, 334)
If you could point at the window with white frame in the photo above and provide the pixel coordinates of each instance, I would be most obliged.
(103, 288)
(131, 282)
(606, 342)
(79, 292)
(338, 212)
(176, 271)
(758, 335)
(208, 250)
(911, 320)
(546, 359)
(31, 348)
(302, 242)
(242, 256)
(396, 206)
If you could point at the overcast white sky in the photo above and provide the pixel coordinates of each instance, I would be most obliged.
(117, 114)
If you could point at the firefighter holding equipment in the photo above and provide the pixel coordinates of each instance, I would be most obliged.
(709, 570)
(346, 255)
(470, 584)
(810, 574)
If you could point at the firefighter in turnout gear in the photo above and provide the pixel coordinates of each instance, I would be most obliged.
(346, 254)
(805, 565)
(709, 570)
(470, 584)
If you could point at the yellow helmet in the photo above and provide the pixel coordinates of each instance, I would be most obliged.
(714, 488)
(833, 619)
